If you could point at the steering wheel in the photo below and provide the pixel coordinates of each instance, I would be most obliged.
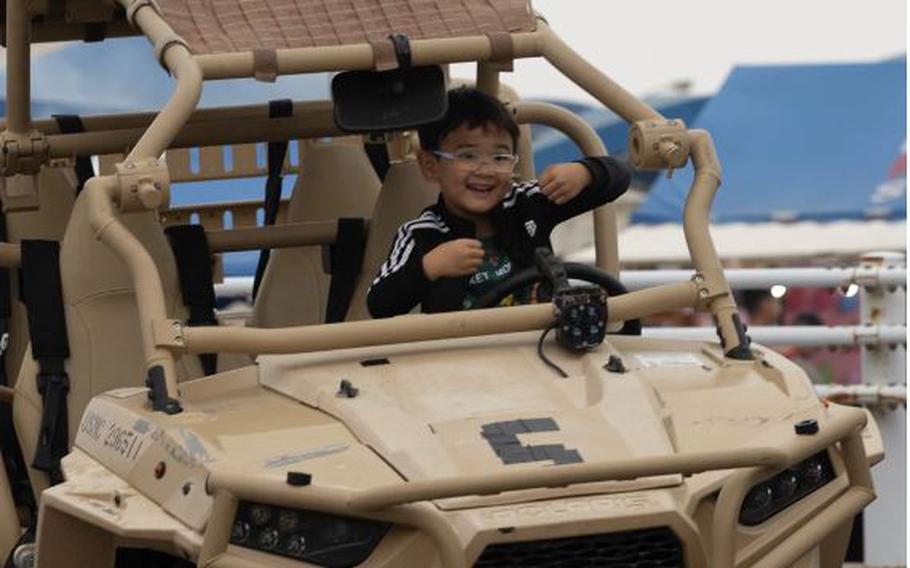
(575, 271)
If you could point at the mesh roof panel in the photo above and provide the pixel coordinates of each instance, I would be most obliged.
(218, 26)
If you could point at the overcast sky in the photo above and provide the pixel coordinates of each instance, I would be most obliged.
(645, 45)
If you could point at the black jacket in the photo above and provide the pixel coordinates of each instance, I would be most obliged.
(522, 222)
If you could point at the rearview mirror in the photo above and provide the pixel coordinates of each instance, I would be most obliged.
(372, 101)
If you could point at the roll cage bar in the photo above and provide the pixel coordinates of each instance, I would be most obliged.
(141, 182)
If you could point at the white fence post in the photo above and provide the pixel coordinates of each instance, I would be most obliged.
(885, 521)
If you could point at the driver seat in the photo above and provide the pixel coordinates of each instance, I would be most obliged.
(404, 194)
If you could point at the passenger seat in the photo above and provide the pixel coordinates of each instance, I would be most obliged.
(102, 322)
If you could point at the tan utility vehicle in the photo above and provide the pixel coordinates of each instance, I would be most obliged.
(444, 440)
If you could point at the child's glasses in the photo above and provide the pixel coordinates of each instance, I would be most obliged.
(471, 160)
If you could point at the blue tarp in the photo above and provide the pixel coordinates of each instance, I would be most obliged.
(801, 142)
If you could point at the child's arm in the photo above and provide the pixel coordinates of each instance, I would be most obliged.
(576, 187)
(409, 270)
(401, 283)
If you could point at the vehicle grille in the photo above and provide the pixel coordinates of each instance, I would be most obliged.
(630, 549)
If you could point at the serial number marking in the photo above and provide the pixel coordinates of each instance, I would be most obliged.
(122, 440)
(92, 425)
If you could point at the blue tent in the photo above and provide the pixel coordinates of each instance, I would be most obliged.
(801, 142)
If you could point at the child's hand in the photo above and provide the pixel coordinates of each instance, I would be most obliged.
(454, 258)
(562, 182)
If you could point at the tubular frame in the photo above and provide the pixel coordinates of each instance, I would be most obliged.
(100, 192)
(696, 220)
(18, 65)
(274, 236)
(403, 329)
(183, 101)
(179, 110)
(580, 132)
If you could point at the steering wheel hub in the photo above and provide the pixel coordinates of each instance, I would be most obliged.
(581, 316)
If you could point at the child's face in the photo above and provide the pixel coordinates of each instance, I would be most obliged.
(471, 190)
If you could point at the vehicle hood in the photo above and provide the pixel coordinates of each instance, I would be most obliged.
(443, 410)
(467, 408)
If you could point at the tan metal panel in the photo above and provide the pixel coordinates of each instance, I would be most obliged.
(212, 165)
(211, 162)
(244, 161)
(246, 216)
(176, 217)
(211, 218)
(212, 215)
(178, 164)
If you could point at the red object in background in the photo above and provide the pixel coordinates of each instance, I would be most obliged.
(899, 168)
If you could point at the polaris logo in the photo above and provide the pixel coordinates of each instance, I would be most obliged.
(597, 505)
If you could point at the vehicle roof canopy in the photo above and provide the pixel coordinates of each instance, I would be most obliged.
(225, 26)
(286, 24)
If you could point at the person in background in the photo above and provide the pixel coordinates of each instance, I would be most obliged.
(820, 372)
(761, 307)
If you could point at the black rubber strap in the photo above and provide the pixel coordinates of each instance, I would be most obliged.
(378, 153)
(346, 260)
(72, 124)
(194, 271)
(277, 151)
(42, 295)
(402, 46)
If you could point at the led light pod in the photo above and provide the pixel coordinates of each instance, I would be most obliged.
(316, 538)
(771, 496)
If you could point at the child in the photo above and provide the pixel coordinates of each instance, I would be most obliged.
(485, 226)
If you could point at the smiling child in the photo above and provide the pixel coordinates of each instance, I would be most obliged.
(485, 226)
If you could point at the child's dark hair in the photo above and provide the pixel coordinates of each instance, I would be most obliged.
(472, 108)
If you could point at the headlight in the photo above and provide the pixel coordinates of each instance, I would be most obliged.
(318, 538)
(770, 497)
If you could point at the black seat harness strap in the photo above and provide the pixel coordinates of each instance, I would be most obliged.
(346, 260)
(277, 151)
(194, 271)
(9, 443)
(42, 294)
(72, 124)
